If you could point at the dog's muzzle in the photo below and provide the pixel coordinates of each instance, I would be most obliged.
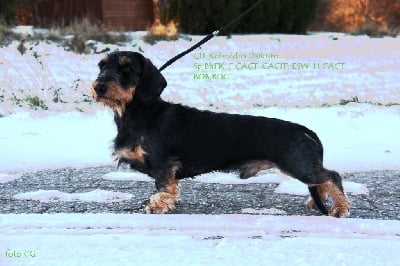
(100, 89)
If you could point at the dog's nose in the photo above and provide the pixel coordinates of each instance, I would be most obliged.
(100, 89)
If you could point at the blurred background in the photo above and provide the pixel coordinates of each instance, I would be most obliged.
(373, 17)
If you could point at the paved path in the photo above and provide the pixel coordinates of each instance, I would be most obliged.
(382, 202)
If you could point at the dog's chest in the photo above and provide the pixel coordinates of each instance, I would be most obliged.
(130, 149)
(129, 140)
(133, 142)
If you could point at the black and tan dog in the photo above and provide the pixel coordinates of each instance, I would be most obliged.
(170, 141)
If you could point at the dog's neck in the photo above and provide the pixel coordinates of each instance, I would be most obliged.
(137, 113)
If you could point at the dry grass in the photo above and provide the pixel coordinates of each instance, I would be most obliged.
(74, 36)
(6, 35)
(87, 30)
(84, 30)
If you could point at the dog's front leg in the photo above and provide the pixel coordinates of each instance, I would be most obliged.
(167, 196)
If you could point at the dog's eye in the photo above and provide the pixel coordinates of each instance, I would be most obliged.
(102, 64)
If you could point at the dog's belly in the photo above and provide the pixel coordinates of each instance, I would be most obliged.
(246, 169)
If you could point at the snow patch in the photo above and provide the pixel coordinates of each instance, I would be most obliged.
(233, 178)
(355, 188)
(4, 178)
(97, 195)
(127, 176)
(295, 187)
(292, 186)
(270, 211)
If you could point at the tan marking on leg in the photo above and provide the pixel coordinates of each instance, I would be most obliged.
(321, 190)
(116, 97)
(136, 154)
(341, 206)
(165, 200)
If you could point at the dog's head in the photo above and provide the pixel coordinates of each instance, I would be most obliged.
(125, 76)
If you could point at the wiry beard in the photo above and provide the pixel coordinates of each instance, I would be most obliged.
(116, 97)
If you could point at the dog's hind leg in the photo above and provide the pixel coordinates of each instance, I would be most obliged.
(167, 196)
(317, 199)
(333, 187)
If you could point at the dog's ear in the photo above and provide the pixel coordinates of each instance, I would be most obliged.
(151, 82)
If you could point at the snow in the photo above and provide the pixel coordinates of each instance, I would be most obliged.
(232, 178)
(37, 141)
(4, 178)
(355, 138)
(97, 195)
(127, 176)
(295, 187)
(353, 108)
(270, 211)
(124, 239)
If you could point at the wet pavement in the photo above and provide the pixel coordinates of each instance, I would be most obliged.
(382, 201)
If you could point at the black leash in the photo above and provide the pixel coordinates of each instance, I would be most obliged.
(208, 37)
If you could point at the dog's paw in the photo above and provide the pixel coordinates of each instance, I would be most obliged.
(340, 211)
(161, 202)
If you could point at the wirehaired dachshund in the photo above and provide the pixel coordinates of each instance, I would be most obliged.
(170, 141)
